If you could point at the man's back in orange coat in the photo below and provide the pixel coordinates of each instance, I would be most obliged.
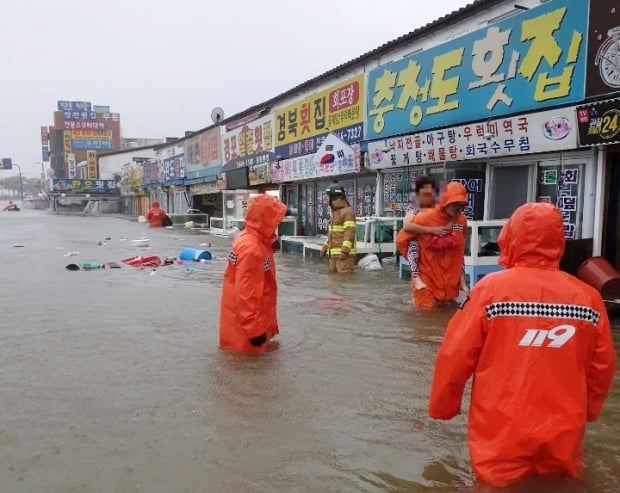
(538, 343)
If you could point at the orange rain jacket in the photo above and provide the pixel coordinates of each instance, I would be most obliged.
(249, 292)
(539, 345)
(440, 270)
(156, 216)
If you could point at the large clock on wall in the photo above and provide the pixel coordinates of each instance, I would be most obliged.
(608, 58)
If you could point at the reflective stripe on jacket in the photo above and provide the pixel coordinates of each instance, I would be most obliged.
(341, 232)
(538, 343)
(249, 291)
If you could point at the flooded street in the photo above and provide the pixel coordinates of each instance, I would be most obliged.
(112, 381)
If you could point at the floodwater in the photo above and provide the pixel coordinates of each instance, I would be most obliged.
(111, 380)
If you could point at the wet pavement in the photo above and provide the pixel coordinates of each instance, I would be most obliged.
(111, 380)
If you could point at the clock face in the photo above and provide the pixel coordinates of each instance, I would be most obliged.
(609, 63)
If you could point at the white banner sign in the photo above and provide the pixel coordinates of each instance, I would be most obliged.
(333, 158)
(204, 188)
(546, 131)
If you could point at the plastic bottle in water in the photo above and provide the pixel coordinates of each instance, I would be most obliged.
(92, 265)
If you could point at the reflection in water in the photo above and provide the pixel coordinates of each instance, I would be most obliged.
(112, 379)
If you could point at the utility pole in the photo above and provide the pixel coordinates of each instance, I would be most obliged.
(21, 184)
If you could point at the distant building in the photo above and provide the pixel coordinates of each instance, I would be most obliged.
(80, 131)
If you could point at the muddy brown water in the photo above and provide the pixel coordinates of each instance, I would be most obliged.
(111, 380)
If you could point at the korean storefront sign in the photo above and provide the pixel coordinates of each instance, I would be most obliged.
(91, 162)
(546, 131)
(202, 155)
(89, 116)
(173, 167)
(84, 186)
(94, 125)
(249, 144)
(343, 160)
(150, 173)
(299, 127)
(204, 188)
(92, 139)
(66, 144)
(599, 123)
(603, 48)
(74, 106)
(531, 60)
(79, 110)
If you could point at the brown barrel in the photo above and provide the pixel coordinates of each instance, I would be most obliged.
(600, 274)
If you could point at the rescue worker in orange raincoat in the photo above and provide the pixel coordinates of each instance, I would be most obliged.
(248, 318)
(341, 232)
(538, 343)
(441, 257)
(425, 190)
(156, 215)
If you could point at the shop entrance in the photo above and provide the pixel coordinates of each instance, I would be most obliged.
(612, 228)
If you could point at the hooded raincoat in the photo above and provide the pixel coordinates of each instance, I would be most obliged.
(538, 343)
(249, 292)
(439, 269)
(156, 216)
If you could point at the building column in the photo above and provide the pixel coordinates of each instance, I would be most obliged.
(599, 201)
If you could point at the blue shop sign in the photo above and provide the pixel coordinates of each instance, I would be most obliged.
(532, 60)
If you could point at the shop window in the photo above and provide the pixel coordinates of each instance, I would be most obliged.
(563, 186)
(510, 188)
(180, 202)
(291, 200)
(365, 190)
(396, 188)
(471, 175)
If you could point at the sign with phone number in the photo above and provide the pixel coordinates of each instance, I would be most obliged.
(350, 135)
(339, 109)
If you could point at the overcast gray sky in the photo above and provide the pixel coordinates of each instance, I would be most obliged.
(163, 65)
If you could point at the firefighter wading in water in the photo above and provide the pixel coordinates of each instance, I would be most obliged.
(340, 243)
(538, 343)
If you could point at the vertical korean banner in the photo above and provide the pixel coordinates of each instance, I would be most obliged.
(91, 162)
(45, 150)
(71, 165)
(603, 48)
(44, 136)
(301, 127)
(531, 60)
(67, 152)
(564, 187)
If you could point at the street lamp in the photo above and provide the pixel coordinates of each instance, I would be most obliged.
(21, 185)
